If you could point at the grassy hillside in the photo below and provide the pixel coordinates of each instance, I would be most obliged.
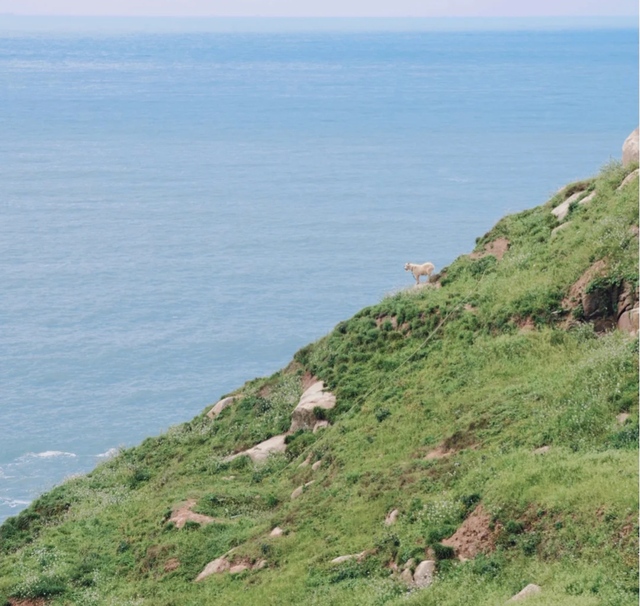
(443, 395)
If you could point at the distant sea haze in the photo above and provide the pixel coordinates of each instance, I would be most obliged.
(181, 212)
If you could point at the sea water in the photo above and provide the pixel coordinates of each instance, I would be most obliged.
(180, 213)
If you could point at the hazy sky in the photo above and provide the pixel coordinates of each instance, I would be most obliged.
(322, 8)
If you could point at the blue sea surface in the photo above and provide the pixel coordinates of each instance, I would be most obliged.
(180, 213)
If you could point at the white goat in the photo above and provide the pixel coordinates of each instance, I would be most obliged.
(426, 269)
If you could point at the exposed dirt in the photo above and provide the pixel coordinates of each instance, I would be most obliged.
(497, 248)
(183, 514)
(474, 536)
(382, 319)
(439, 453)
(171, 564)
(525, 324)
(27, 602)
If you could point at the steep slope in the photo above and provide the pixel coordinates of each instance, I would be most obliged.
(486, 422)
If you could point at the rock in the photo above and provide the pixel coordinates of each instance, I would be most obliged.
(630, 149)
(215, 567)
(320, 425)
(406, 576)
(260, 564)
(314, 397)
(555, 230)
(630, 177)
(238, 568)
(626, 299)
(562, 210)
(588, 198)
(220, 406)
(261, 451)
(497, 248)
(622, 418)
(276, 532)
(391, 518)
(316, 465)
(298, 491)
(423, 575)
(183, 514)
(305, 462)
(542, 450)
(346, 558)
(528, 591)
(628, 322)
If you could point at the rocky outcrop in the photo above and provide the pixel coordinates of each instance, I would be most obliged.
(609, 305)
(542, 450)
(345, 558)
(562, 210)
(391, 518)
(220, 406)
(183, 514)
(629, 321)
(316, 465)
(276, 532)
(223, 564)
(314, 397)
(630, 149)
(261, 451)
(497, 248)
(217, 566)
(424, 574)
(298, 491)
(527, 592)
(629, 178)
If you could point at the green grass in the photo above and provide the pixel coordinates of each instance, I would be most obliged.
(456, 372)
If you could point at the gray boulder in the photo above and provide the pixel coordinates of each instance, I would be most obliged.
(424, 573)
(527, 592)
(314, 397)
(220, 406)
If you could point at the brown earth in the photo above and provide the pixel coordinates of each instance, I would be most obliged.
(497, 248)
(474, 536)
(439, 453)
(382, 319)
(27, 602)
(171, 564)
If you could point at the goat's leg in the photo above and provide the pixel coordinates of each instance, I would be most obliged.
(418, 278)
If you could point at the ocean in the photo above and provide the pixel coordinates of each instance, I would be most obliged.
(181, 212)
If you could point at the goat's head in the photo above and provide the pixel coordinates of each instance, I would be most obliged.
(407, 266)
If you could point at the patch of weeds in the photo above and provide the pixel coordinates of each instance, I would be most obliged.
(443, 552)
(382, 413)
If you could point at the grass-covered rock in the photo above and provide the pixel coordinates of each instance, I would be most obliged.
(486, 408)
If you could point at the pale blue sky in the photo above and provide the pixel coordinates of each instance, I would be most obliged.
(323, 8)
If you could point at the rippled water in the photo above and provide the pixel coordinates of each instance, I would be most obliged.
(181, 213)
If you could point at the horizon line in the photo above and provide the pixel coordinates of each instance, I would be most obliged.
(267, 23)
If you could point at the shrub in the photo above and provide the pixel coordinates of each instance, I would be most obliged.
(140, 475)
(382, 413)
(443, 552)
(435, 535)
